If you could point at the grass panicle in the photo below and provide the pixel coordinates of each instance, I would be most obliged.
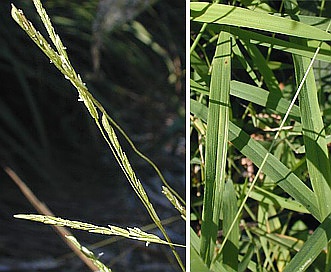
(60, 59)
(130, 233)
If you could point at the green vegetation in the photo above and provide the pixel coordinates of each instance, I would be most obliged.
(259, 156)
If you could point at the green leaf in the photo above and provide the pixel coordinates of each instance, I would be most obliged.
(260, 62)
(231, 247)
(196, 263)
(233, 16)
(267, 197)
(216, 145)
(278, 172)
(259, 96)
(317, 154)
(284, 46)
(312, 247)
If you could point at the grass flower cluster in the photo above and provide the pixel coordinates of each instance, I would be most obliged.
(58, 56)
(240, 113)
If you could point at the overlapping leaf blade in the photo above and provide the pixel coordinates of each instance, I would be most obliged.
(216, 145)
(230, 15)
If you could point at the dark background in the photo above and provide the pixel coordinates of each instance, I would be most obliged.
(48, 138)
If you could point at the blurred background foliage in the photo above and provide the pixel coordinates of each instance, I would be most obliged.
(134, 65)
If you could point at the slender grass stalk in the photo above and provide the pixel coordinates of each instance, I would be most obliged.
(143, 156)
(198, 37)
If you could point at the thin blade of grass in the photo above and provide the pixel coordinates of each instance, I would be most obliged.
(255, 95)
(229, 209)
(317, 155)
(282, 45)
(230, 15)
(259, 96)
(284, 241)
(199, 67)
(278, 172)
(216, 145)
(242, 267)
(318, 22)
(262, 219)
(314, 137)
(196, 263)
(267, 197)
(245, 63)
(311, 248)
(194, 240)
(267, 75)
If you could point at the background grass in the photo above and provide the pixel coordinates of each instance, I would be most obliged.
(274, 191)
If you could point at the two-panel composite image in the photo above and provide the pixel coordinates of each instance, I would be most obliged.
(160, 135)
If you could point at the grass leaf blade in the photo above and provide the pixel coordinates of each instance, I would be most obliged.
(216, 145)
(277, 171)
(231, 247)
(312, 247)
(230, 15)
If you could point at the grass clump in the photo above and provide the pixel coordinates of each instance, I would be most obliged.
(250, 184)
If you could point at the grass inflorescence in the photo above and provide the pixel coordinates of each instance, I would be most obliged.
(58, 56)
(250, 183)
